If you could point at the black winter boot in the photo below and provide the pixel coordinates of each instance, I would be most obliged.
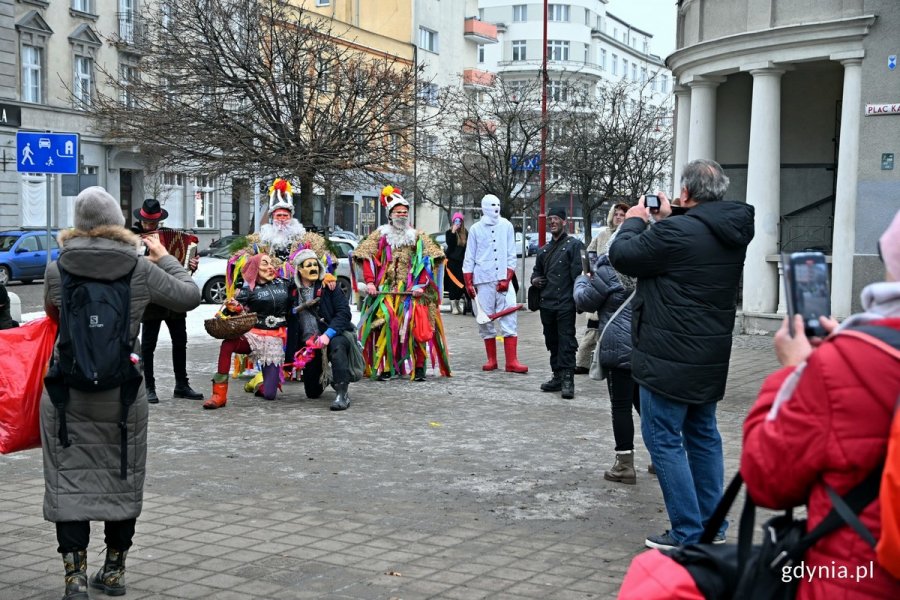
(568, 384)
(184, 390)
(152, 398)
(342, 399)
(76, 575)
(554, 384)
(111, 578)
(419, 375)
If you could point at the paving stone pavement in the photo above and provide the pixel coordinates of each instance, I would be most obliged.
(477, 486)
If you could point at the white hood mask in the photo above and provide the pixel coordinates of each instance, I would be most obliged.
(490, 210)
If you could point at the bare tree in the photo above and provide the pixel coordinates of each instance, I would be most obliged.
(615, 144)
(261, 88)
(493, 136)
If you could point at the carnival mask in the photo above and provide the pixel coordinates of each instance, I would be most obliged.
(309, 269)
(267, 270)
(490, 206)
(400, 217)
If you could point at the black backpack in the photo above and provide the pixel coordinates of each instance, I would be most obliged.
(95, 348)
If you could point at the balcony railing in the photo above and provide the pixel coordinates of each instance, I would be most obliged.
(808, 228)
(479, 31)
(477, 78)
(131, 28)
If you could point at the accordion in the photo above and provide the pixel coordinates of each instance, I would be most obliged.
(179, 244)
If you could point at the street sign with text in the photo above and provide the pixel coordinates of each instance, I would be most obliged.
(46, 152)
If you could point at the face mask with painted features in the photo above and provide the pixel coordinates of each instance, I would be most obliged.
(400, 218)
(267, 271)
(309, 269)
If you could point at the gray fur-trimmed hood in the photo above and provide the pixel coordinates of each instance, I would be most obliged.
(105, 253)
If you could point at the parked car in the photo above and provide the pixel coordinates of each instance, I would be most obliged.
(210, 274)
(23, 254)
(440, 239)
(533, 246)
(343, 234)
(222, 242)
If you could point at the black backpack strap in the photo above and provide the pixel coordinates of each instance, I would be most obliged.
(711, 529)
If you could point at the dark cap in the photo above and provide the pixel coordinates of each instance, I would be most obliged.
(557, 212)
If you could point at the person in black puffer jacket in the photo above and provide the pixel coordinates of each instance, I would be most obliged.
(609, 294)
(688, 266)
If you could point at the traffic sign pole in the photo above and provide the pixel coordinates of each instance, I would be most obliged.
(49, 202)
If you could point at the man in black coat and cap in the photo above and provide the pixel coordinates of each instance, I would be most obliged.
(149, 218)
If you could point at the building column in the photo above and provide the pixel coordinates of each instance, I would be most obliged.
(764, 191)
(844, 241)
(682, 135)
(702, 136)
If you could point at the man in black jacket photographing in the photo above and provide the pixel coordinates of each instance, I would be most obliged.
(688, 267)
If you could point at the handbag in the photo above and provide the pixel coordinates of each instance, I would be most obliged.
(597, 372)
(534, 298)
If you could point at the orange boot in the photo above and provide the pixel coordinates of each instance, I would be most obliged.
(220, 392)
(490, 346)
(512, 361)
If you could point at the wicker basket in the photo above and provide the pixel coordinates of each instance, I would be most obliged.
(230, 327)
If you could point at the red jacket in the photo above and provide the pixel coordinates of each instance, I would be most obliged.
(832, 427)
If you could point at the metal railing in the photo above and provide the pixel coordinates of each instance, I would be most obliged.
(131, 28)
(808, 228)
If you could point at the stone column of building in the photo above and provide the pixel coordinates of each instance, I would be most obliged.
(682, 134)
(702, 136)
(764, 191)
(843, 247)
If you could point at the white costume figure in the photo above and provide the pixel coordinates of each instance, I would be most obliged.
(488, 269)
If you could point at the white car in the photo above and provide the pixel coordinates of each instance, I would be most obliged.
(210, 274)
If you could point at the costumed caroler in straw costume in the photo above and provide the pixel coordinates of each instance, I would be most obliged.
(281, 239)
(270, 297)
(400, 321)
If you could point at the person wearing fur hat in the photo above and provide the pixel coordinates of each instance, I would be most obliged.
(488, 269)
(822, 422)
(456, 239)
(270, 297)
(324, 315)
(83, 479)
(149, 218)
(400, 321)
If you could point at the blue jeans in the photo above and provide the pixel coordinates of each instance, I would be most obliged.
(686, 449)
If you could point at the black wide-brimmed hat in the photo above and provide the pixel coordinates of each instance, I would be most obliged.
(150, 211)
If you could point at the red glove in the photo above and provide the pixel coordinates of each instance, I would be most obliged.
(503, 284)
(470, 285)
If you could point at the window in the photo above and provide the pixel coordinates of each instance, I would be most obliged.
(615, 64)
(428, 39)
(664, 84)
(28, 244)
(167, 15)
(643, 74)
(394, 147)
(480, 53)
(558, 12)
(602, 59)
(587, 17)
(518, 50)
(85, 6)
(558, 50)
(428, 144)
(324, 76)
(615, 33)
(429, 93)
(557, 91)
(646, 46)
(32, 60)
(634, 76)
(624, 68)
(323, 2)
(172, 198)
(83, 87)
(520, 13)
(128, 76)
(515, 89)
(203, 202)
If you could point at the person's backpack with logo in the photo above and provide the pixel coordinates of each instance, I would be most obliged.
(727, 571)
(94, 348)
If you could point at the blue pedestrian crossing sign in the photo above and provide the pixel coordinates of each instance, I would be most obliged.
(47, 152)
(892, 62)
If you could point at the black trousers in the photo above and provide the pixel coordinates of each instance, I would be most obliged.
(75, 535)
(177, 325)
(559, 337)
(623, 395)
(338, 355)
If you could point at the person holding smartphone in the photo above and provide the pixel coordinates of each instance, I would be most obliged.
(688, 267)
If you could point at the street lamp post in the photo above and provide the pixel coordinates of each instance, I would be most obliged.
(542, 215)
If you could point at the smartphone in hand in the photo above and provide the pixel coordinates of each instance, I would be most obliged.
(806, 290)
(586, 263)
(651, 201)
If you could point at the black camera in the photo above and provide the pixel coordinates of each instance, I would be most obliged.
(651, 201)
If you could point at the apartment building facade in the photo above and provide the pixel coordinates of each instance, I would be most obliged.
(61, 53)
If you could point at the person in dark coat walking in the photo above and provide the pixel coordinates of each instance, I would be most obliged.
(82, 479)
(327, 319)
(557, 265)
(609, 294)
(688, 267)
(456, 237)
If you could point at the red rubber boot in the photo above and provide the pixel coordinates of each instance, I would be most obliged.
(490, 345)
(510, 345)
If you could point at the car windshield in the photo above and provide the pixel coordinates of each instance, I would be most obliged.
(7, 242)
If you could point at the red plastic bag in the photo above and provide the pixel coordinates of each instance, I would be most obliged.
(422, 329)
(23, 364)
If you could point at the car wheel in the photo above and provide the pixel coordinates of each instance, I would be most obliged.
(4, 275)
(214, 290)
(344, 285)
(27, 281)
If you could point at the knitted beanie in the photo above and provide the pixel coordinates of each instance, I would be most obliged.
(94, 207)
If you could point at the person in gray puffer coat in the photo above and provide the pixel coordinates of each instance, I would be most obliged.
(82, 481)
(608, 293)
